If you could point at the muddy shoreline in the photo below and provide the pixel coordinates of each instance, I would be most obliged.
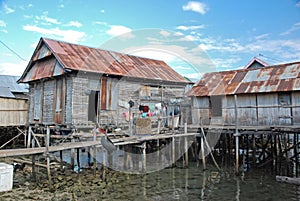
(66, 184)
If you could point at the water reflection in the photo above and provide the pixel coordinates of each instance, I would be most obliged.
(193, 184)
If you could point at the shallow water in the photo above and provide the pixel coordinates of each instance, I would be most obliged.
(193, 184)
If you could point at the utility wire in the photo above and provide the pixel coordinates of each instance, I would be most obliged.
(13, 51)
(261, 55)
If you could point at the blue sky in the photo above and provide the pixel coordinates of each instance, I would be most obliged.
(193, 37)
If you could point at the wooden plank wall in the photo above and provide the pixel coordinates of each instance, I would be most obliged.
(200, 110)
(48, 98)
(253, 109)
(13, 112)
(296, 108)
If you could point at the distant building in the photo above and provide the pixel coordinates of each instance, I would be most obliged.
(13, 101)
(265, 96)
(256, 63)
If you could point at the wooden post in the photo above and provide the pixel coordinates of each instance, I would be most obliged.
(186, 148)
(296, 152)
(144, 157)
(173, 122)
(61, 159)
(236, 136)
(72, 155)
(173, 150)
(254, 150)
(33, 163)
(95, 151)
(48, 156)
(202, 152)
(78, 158)
(29, 137)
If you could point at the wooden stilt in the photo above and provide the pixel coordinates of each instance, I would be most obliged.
(275, 154)
(253, 150)
(186, 148)
(202, 153)
(236, 135)
(61, 159)
(78, 158)
(95, 151)
(72, 155)
(144, 157)
(296, 152)
(29, 137)
(48, 156)
(33, 163)
(173, 151)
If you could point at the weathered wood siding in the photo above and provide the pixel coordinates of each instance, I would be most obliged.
(253, 109)
(200, 110)
(80, 101)
(296, 108)
(48, 101)
(267, 106)
(246, 105)
(68, 103)
(13, 112)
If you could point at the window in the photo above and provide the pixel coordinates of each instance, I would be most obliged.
(284, 99)
(216, 106)
(93, 105)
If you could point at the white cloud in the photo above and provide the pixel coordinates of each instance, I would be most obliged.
(48, 20)
(157, 54)
(66, 35)
(260, 37)
(295, 27)
(7, 9)
(13, 68)
(195, 6)
(74, 24)
(298, 4)
(116, 30)
(165, 33)
(102, 11)
(2, 23)
(186, 28)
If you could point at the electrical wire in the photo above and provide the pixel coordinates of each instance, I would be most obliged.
(12, 51)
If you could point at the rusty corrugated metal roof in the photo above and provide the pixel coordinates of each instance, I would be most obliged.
(278, 78)
(88, 59)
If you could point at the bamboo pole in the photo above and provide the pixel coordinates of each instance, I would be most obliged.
(10, 140)
(210, 151)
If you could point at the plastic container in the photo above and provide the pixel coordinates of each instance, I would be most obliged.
(6, 177)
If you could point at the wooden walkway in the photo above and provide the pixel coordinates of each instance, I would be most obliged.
(40, 150)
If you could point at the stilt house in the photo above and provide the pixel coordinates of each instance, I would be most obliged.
(264, 96)
(71, 84)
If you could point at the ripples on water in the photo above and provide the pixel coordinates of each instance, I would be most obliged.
(193, 184)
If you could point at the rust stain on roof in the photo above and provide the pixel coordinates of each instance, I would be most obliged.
(277, 78)
(88, 59)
